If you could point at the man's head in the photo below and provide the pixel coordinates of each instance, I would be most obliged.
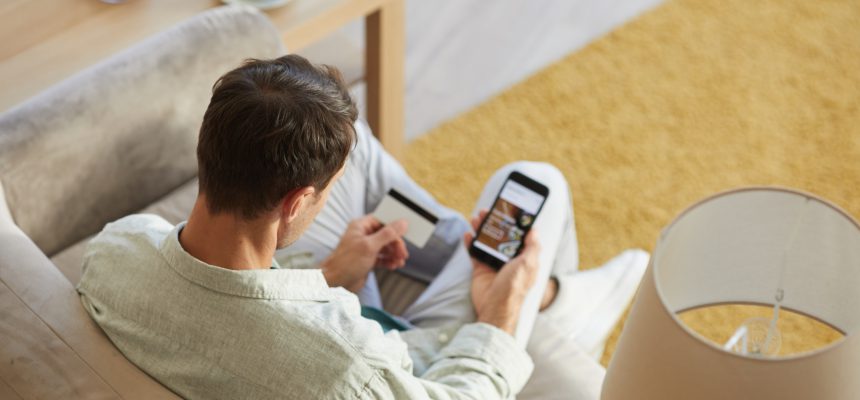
(275, 135)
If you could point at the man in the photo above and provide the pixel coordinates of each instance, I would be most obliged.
(204, 307)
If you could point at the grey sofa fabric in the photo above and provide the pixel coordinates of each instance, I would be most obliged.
(121, 134)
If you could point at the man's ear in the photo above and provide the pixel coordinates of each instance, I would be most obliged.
(296, 201)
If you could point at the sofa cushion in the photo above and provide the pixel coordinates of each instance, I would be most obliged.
(119, 135)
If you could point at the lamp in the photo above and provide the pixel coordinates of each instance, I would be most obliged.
(765, 246)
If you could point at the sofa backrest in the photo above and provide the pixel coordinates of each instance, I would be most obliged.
(115, 137)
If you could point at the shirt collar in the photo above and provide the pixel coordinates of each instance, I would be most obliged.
(271, 284)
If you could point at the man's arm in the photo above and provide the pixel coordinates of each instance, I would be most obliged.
(499, 295)
(482, 360)
(479, 362)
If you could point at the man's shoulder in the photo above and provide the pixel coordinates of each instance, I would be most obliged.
(137, 224)
(134, 231)
(123, 244)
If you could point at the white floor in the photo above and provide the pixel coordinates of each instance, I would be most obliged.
(462, 52)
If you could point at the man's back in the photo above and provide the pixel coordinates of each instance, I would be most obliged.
(276, 137)
(210, 332)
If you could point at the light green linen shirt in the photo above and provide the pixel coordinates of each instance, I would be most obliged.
(213, 333)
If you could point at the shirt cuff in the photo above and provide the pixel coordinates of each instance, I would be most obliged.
(499, 349)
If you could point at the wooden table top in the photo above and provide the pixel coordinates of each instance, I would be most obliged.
(44, 41)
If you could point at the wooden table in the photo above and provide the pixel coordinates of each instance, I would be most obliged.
(44, 41)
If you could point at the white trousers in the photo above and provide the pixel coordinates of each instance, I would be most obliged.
(371, 172)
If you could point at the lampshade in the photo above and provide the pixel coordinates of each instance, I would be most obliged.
(743, 246)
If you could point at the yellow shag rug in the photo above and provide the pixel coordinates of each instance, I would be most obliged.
(689, 99)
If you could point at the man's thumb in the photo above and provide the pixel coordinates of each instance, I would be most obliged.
(389, 233)
(467, 239)
(532, 242)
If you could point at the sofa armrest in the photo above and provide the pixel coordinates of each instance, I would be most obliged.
(51, 348)
(32, 355)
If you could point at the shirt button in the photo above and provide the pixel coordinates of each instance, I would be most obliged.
(443, 337)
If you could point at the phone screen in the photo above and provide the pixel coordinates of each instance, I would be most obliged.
(508, 221)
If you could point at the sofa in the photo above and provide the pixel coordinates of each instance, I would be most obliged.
(115, 139)
(120, 138)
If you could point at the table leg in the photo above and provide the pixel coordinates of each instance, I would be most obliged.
(384, 74)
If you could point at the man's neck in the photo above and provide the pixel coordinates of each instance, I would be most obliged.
(227, 241)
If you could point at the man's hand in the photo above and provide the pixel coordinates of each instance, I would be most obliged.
(365, 244)
(498, 295)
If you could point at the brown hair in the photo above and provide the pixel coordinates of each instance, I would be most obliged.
(273, 126)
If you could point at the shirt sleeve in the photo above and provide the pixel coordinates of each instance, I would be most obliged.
(479, 362)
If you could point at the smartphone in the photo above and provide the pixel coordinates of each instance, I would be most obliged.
(501, 234)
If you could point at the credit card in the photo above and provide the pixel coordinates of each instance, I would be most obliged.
(395, 206)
